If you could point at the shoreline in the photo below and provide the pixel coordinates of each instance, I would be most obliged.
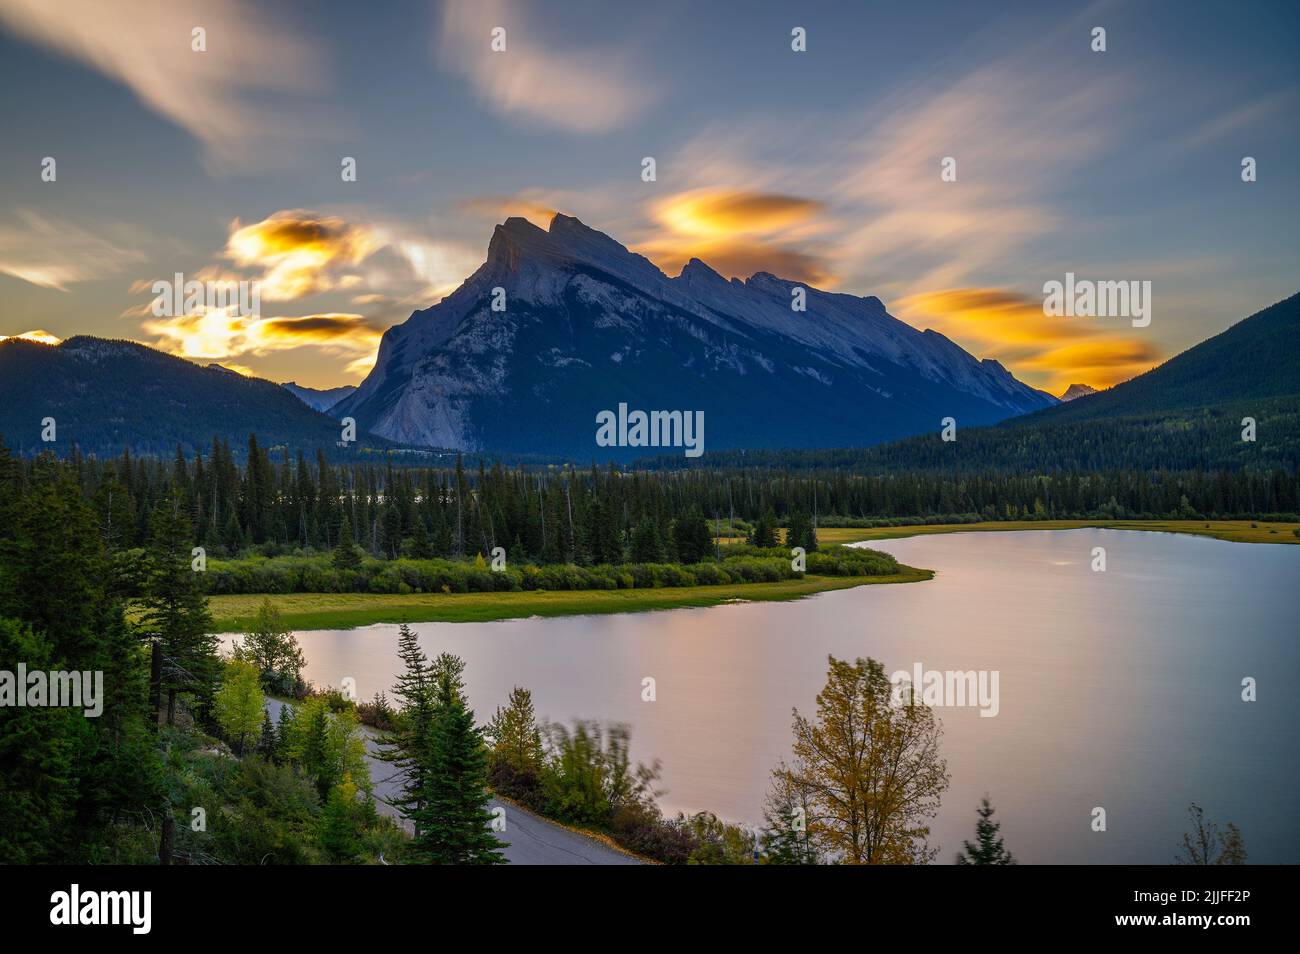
(1230, 531)
(307, 611)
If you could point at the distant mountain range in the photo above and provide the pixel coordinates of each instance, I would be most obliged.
(105, 395)
(321, 400)
(1186, 414)
(582, 325)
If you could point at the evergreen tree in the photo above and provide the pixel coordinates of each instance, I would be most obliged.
(346, 554)
(691, 537)
(764, 533)
(266, 743)
(454, 822)
(407, 747)
(176, 617)
(784, 839)
(988, 848)
(516, 739)
(647, 546)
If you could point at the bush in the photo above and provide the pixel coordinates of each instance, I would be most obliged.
(643, 830)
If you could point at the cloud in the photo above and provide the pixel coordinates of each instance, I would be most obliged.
(355, 330)
(299, 251)
(498, 208)
(738, 233)
(220, 335)
(576, 89)
(241, 99)
(715, 213)
(440, 267)
(40, 335)
(1044, 351)
(54, 254)
(1275, 110)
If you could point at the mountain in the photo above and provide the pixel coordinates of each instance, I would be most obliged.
(318, 398)
(104, 395)
(1077, 391)
(1186, 414)
(588, 325)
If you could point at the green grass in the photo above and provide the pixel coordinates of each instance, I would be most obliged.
(1236, 531)
(348, 610)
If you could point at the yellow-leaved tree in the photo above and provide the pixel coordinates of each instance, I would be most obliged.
(868, 770)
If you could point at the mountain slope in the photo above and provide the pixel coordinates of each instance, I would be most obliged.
(319, 399)
(588, 325)
(105, 395)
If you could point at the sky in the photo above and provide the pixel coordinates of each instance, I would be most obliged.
(822, 166)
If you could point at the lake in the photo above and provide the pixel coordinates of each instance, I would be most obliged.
(1119, 689)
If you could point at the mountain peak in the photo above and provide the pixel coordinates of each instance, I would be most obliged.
(1077, 391)
(517, 242)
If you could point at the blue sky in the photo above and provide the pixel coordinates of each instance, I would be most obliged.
(821, 166)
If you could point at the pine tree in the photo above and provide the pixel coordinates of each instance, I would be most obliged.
(176, 616)
(406, 748)
(516, 739)
(283, 733)
(647, 547)
(346, 554)
(454, 822)
(764, 532)
(266, 743)
(339, 834)
(988, 848)
(784, 839)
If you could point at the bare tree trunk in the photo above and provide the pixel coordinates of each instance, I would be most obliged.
(168, 836)
(155, 681)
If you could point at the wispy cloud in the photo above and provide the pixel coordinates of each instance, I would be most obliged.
(54, 254)
(1282, 107)
(575, 89)
(243, 98)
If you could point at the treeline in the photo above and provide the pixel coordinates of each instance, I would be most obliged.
(1206, 439)
(605, 516)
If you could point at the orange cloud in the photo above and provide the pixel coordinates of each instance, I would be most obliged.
(738, 233)
(39, 335)
(1044, 351)
(498, 208)
(299, 251)
(355, 329)
(219, 335)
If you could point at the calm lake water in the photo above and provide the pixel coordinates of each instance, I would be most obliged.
(1119, 689)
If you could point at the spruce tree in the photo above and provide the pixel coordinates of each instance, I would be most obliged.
(988, 848)
(406, 747)
(454, 821)
(176, 617)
